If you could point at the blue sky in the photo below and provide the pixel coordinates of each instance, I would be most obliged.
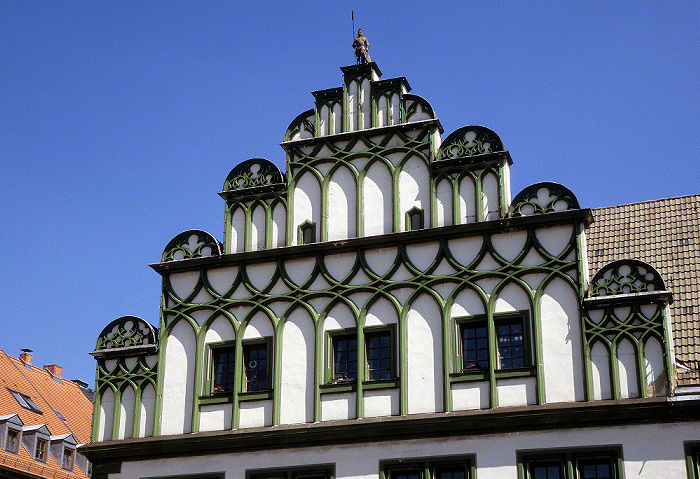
(120, 121)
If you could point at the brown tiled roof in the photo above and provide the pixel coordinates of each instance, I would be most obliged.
(665, 234)
(49, 395)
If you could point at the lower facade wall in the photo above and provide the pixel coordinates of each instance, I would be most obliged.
(647, 451)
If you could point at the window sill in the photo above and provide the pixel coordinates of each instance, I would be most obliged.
(255, 395)
(217, 398)
(483, 374)
(349, 386)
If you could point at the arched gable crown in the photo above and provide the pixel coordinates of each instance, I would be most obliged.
(253, 173)
(541, 198)
(626, 276)
(126, 334)
(191, 244)
(469, 141)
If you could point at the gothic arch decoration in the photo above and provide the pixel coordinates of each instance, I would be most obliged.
(253, 173)
(541, 198)
(126, 361)
(469, 141)
(626, 276)
(627, 305)
(127, 332)
(191, 244)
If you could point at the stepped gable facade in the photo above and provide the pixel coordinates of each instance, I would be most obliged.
(385, 308)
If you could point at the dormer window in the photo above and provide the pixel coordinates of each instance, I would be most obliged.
(68, 459)
(307, 233)
(12, 441)
(414, 219)
(41, 450)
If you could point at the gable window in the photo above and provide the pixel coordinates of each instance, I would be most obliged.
(255, 360)
(40, 452)
(12, 441)
(68, 458)
(451, 467)
(307, 233)
(415, 219)
(379, 359)
(224, 359)
(26, 402)
(579, 463)
(345, 357)
(503, 339)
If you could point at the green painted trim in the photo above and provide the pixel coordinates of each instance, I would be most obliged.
(255, 395)
(217, 398)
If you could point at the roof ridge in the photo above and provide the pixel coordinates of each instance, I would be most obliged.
(647, 201)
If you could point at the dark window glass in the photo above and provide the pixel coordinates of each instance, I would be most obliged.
(545, 470)
(475, 345)
(379, 356)
(67, 462)
(255, 357)
(511, 348)
(26, 402)
(599, 468)
(345, 349)
(308, 234)
(454, 472)
(405, 474)
(224, 369)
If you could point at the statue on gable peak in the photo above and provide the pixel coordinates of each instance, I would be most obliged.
(361, 46)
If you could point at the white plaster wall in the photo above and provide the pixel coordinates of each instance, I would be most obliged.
(467, 201)
(377, 200)
(339, 265)
(339, 317)
(352, 106)
(221, 279)
(600, 372)
(470, 395)
(255, 413)
(258, 230)
(654, 368)
(444, 203)
(509, 245)
(396, 110)
(381, 312)
(342, 205)
(561, 343)
(489, 189)
(516, 392)
(650, 451)
(260, 275)
(338, 406)
(104, 428)
(238, 231)
(424, 350)
(183, 283)
(512, 298)
(382, 111)
(366, 105)
(178, 378)
(215, 417)
(422, 255)
(297, 369)
(337, 118)
(414, 190)
(126, 413)
(381, 402)
(323, 120)
(299, 270)
(307, 204)
(148, 409)
(555, 239)
(279, 221)
(627, 369)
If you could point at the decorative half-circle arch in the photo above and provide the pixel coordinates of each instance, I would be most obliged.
(253, 173)
(625, 276)
(126, 333)
(541, 198)
(191, 244)
(469, 141)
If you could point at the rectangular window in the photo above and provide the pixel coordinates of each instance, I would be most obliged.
(40, 453)
(692, 459)
(67, 461)
(379, 356)
(451, 467)
(255, 361)
(224, 359)
(12, 441)
(345, 357)
(511, 338)
(584, 463)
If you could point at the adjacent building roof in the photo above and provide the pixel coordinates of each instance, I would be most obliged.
(62, 406)
(665, 234)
